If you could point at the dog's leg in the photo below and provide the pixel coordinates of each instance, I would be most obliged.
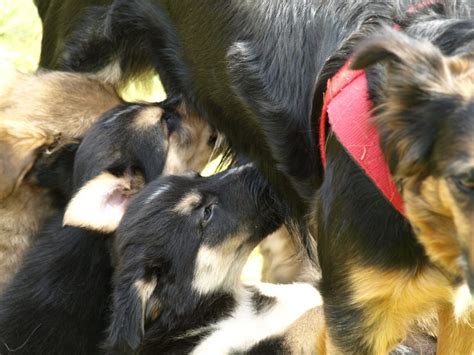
(370, 310)
(455, 335)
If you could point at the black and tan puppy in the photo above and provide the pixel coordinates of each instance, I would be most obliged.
(57, 301)
(39, 114)
(180, 251)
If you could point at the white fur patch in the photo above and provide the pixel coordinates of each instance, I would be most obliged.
(160, 190)
(236, 170)
(463, 303)
(130, 108)
(243, 329)
(99, 204)
(111, 74)
(145, 290)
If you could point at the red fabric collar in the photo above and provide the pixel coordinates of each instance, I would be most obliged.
(347, 109)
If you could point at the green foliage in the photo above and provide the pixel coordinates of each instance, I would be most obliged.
(20, 35)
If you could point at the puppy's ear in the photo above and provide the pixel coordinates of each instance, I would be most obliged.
(394, 46)
(100, 204)
(19, 147)
(133, 304)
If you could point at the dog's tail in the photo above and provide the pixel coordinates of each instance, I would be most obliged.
(128, 40)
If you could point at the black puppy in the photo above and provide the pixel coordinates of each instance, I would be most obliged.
(180, 250)
(57, 302)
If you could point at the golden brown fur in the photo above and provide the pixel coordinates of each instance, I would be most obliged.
(38, 112)
(194, 150)
(283, 260)
(427, 130)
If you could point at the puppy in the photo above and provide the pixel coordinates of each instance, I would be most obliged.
(39, 114)
(180, 251)
(57, 302)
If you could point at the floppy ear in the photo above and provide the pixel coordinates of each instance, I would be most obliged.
(19, 146)
(101, 203)
(132, 305)
(397, 47)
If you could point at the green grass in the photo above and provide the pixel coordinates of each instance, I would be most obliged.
(20, 35)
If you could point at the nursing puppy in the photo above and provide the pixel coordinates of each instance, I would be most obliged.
(57, 302)
(39, 114)
(180, 251)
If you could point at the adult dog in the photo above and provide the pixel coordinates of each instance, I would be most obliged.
(259, 71)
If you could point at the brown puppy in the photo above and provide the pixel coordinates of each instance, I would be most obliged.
(38, 113)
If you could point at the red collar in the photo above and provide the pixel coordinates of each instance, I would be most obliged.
(347, 109)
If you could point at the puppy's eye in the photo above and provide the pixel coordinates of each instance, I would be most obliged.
(207, 214)
(465, 182)
(171, 121)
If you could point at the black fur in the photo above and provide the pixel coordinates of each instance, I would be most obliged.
(261, 302)
(53, 171)
(58, 301)
(157, 245)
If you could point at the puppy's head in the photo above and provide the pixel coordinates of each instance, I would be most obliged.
(133, 143)
(154, 138)
(426, 123)
(183, 239)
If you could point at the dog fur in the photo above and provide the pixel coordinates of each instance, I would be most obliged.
(38, 114)
(180, 250)
(57, 302)
(259, 70)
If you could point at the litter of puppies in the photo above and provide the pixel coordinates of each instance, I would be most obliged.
(350, 126)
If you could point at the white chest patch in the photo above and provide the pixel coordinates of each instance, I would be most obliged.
(245, 328)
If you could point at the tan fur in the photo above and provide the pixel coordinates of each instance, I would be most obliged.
(19, 143)
(283, 260)
(391, 301)
(433, 219)
(148, 117)
(439, 213)
(21, 215)
(37, 111)
(299, 338)
(189, 150)
(455, 336)
(216, 265)
(187, 203)
(145, 290)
